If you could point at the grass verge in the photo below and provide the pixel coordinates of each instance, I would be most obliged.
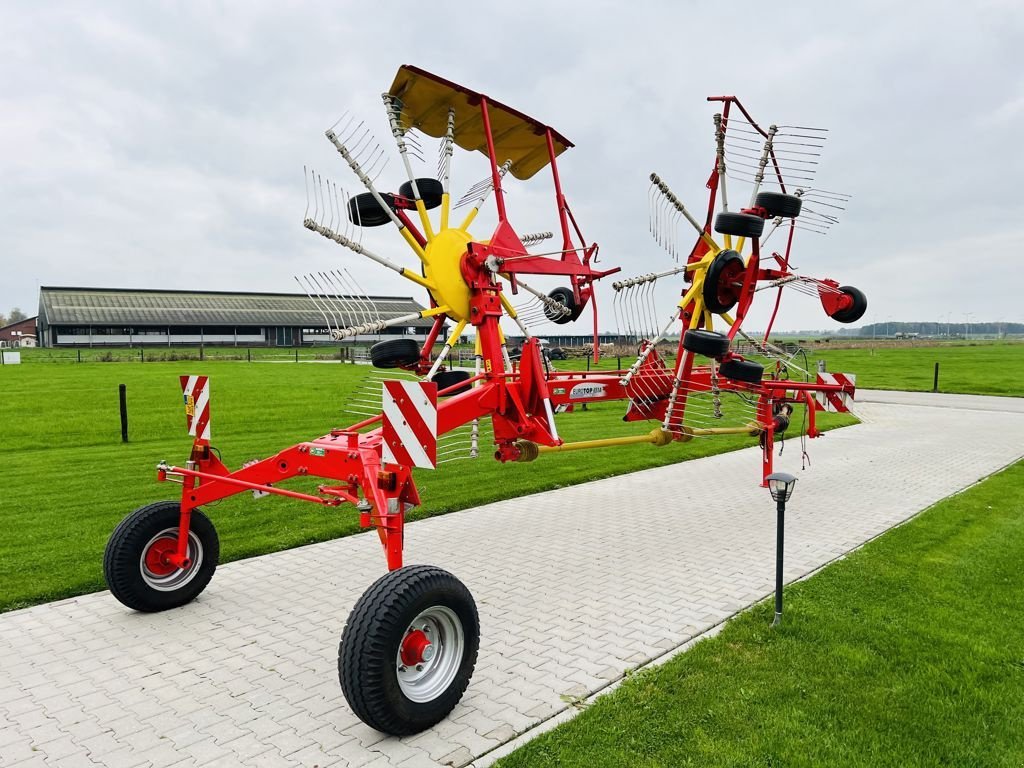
(909, 652)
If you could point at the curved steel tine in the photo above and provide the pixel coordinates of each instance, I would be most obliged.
(359, 288)
(330, 205)
(305, 182)
(315, 302)
(316, 202)
(323, 286)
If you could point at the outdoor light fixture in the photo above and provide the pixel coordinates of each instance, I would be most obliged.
(780, 485)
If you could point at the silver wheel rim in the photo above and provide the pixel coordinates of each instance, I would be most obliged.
(179, 577)
(429, 679)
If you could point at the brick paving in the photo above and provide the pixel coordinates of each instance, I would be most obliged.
(574, 587)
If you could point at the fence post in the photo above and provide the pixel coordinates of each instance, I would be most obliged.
(296, 354)
(588, 362)
(935, 381)
(248, 355)
(142, 355)
(200, 351)
(79, 355)
(123, 397)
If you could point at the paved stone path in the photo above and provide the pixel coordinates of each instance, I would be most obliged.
(574, 586)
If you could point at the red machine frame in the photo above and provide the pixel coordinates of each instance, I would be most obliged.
(520, 401)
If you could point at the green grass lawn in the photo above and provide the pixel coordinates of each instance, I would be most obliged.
(910, 652)
(984, 369)
(67, 479)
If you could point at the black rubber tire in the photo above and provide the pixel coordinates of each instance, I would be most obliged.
(430, 192)
(855, 311)
(739, 224)
(446, 379)
(122, 559)
(779, 204)
(707, 343)
(742, 370)
(394, 353)
(365, 211)
(719, 297)
(564, 297)
(370, 643)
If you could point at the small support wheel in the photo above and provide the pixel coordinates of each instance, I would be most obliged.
(723, 282)
(394, 353)
(857, 308)
(707, 343)
(445, 379)
(365, 211)
(779, 204)
(409, 649)
(739, 224)
(564, 297)
(742, 370)
(431, 191)
(136, 566)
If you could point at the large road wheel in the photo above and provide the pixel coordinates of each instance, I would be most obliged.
(135, 562)
(408, 649)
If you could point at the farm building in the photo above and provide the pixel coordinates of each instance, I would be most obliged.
(21, 333)
(117, 317)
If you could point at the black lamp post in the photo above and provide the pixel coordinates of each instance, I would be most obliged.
(781, 486)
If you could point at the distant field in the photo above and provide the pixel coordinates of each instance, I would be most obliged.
(989, 369)
(67, 479)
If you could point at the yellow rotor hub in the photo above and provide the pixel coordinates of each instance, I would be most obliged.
(441, 260)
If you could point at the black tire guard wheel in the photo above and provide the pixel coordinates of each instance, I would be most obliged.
(393, 353)
(779, 204)
(446, 379)
(408, 649)
(365, 211)
(135, 565)
(742, 370)
(430, 192)
(720, 290)
(739, 224)
(856, 310)
(564, 297)
(708, 343)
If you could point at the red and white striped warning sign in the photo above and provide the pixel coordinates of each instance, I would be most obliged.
(196, 393)
(410, 423)
(834, 401)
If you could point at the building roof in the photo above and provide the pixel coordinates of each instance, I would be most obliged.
(114, 306)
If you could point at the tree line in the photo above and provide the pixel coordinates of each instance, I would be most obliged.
(16, 315)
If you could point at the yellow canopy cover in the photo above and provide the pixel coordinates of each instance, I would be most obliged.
(426, 99)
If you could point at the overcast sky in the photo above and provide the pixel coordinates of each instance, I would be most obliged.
(149, 145)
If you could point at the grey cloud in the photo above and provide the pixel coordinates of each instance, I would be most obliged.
(152, 145)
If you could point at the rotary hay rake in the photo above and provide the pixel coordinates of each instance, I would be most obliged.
(410, 644)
